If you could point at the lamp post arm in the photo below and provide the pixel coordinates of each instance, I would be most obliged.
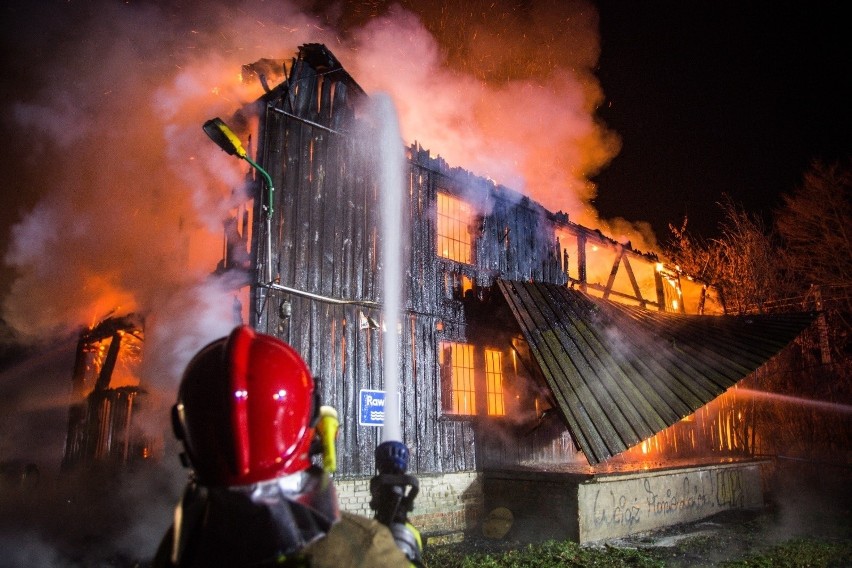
(224, 137)
(268, 178)
(269, 210)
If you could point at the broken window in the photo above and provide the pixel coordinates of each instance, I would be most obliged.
(455, 219)
(237, 238)
(457, 285)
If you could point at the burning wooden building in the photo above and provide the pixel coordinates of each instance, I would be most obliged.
(101, 428)
(529, 345)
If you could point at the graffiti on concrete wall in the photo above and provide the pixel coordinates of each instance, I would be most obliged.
(616, 509)
(637, 504)
(729, 489)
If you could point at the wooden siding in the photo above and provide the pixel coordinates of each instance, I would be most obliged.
(326, 295)
(326, 242)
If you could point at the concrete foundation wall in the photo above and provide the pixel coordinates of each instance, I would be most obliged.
(588, 508)
(613, 506)
(543, 505)
(450, 503)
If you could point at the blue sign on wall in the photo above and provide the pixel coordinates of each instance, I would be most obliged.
(371, 407)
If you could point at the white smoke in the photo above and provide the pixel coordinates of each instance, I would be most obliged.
(137, 196)
(130, 199)
(535, 134)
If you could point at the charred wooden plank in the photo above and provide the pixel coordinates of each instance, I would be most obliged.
(349, 462)
(571, 395)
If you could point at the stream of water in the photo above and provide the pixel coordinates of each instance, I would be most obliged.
(391, 162)
(797, 400)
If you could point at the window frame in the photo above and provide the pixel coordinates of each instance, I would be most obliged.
(495, 393)
(454, 222)
(467, 375)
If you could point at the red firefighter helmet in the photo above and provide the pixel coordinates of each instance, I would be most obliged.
(245, 410)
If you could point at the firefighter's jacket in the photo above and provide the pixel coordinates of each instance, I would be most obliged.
(270, 525)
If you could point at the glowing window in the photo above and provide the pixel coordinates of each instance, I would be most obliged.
(459, 393)
(455, 218)
(494, 382)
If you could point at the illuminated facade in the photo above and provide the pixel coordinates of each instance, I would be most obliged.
(487, 379)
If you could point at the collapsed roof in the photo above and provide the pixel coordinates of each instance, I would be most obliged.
(620, 374)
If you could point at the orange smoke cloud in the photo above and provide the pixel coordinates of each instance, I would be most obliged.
(503, 90)
(132, 213)
(131, 216)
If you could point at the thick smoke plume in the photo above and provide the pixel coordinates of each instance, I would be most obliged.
(504, 89)
(119, 196)
(129, 215)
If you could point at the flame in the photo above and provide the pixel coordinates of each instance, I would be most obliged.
(126, 370)
(720, 428)
(599, 266)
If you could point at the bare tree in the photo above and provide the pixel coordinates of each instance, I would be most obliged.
(752, 267)
(815, 224)
(749, 263)
(741, 264)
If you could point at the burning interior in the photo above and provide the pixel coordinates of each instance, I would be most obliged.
(101, 428)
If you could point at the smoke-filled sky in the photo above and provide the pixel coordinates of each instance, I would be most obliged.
(664, 108)
(114, 196)
(111, 180)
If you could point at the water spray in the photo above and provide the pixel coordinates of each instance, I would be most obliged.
(823, 405)
(391, 160)
(392, 490)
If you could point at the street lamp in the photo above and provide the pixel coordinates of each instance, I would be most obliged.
(225, 138)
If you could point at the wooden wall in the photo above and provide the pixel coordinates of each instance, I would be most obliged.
(326, 242)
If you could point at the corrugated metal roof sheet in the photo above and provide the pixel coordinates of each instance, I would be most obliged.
(620, 374)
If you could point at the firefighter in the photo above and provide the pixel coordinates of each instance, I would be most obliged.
(250, 422)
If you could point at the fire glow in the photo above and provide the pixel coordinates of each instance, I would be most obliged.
(723, 428)
(106, 386)
(156, 230)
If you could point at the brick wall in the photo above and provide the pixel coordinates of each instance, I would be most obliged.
(447, 503)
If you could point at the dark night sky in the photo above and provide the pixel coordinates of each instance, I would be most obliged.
(721, 97)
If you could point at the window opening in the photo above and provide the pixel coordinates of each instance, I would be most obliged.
(494, 382)
(455, 219)
(456, 362)
(456, 285)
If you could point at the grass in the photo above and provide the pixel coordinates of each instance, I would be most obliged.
(545, 555)
(797, 553)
